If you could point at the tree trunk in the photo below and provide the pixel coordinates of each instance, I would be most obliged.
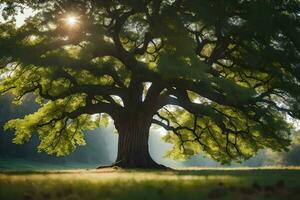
(133, 148)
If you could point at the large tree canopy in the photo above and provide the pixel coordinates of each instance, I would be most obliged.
(220, 76)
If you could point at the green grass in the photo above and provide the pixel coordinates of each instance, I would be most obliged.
(18, 164)
(264, 183)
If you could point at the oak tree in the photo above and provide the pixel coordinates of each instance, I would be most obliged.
(220, 76)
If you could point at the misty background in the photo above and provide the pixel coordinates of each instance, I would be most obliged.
(101, 148)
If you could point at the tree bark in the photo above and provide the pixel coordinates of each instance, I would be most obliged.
(133, 148)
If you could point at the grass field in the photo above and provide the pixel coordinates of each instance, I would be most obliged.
(243, 184)
(14, 164)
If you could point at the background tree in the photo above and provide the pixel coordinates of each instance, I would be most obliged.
(220, 76)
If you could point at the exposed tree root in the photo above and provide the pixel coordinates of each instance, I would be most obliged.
(122, 165)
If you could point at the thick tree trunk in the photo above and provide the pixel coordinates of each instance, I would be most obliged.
(133, 148)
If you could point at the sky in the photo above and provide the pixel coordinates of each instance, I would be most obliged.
(20, 19)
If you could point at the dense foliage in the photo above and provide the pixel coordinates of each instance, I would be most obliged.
(220, 76)
(92, 154)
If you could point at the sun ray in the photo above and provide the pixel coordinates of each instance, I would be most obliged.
(71, 20)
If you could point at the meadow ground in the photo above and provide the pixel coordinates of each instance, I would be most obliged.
(106, 184)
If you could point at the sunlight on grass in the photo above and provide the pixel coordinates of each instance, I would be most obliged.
(138, 184)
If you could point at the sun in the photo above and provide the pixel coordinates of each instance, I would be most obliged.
(71, 20)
